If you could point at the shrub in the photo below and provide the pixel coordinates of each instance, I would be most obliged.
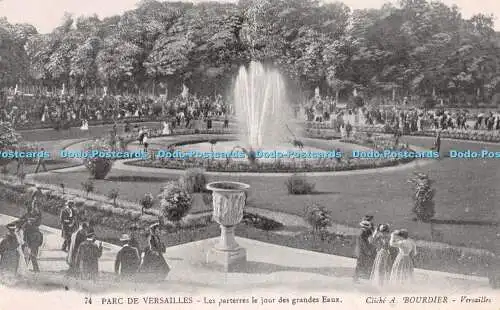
(318, 217)
(9, 140)
(98, 167)
(88, 186)
(175, 202)
(423, 197)
(113, 195)
(298, 185)
(147, 202)
(194, 180)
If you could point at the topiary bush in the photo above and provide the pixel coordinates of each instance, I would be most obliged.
(298, 185)
(99, 167)
(318, 217)
(147, 202)
(194, 180)
(113, 195)
(88, 186)
(423, 207)
(175, 202)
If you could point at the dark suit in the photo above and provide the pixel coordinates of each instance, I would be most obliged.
(127, 261)
(33, 238)
(87, 259)
(79, 237)
(68, 225)
(9, 254)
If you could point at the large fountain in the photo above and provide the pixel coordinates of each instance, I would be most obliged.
(261, 106)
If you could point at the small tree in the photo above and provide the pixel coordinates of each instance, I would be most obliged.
(318, 217)
(88, 186)
(175, 202)
(423, 197)
(147, 202)
(113, 195)
(98, 166)
(194, 180)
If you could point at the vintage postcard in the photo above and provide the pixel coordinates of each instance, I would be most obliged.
(249, 154)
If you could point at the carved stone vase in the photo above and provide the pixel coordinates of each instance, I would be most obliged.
(228, 204)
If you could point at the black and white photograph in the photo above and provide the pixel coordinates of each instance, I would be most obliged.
(250, 154)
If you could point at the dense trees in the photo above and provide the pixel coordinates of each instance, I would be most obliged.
(414, 48)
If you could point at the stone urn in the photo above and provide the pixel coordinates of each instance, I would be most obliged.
(228, 204)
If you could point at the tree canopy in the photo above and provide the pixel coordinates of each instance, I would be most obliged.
(416, 47)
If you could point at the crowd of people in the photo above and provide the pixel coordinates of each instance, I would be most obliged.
(405, 119)
(52, 108)
(384, 257)
(132, 263)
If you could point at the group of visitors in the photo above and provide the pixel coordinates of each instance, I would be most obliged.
(53, 109)
(384, 257)
(132, 262)
(24, 239)
(407, 120)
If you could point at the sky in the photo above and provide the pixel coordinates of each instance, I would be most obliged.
(45, 15)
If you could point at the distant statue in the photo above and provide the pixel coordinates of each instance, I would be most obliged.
(185, 91)
(166, 129)
(316, 93)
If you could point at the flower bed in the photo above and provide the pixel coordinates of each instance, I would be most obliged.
(280, 166)
(107, 215)
(112, 222)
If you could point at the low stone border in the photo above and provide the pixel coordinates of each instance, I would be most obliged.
(277, 166)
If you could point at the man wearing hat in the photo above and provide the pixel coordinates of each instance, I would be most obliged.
(33, 239)
(68, 224)
(9, 254)
(87, 257)
(127, 260)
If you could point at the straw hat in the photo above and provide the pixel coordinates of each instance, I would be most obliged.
(368, 218)
(365, 224)
(125, 237)
(383, 228)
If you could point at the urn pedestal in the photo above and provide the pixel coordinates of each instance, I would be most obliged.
(228, 204)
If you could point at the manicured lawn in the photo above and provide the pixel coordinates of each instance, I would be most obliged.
(467, 206)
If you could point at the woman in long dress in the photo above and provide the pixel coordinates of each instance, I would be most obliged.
(402, 269)
(153, 266)
(381, 267)
(364, 252)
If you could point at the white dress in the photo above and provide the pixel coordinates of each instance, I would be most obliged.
(85, 125)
